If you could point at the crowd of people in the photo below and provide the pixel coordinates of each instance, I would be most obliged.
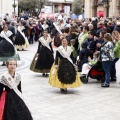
(85, 37)
(80, 45)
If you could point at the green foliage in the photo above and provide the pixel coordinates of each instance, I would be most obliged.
(77, 7)
(33, 6)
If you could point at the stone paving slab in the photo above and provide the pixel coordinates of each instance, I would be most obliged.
(88, 102)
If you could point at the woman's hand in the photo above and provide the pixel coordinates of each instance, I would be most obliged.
(78, 59)
(98, 45)
(56, 66)
(95, 38)
(37, 54)
(75, 66)
(89, 58)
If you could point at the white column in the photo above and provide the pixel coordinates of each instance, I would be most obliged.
(113, 10)
(88, 8)
(59, 7)
(53, 7)
(0, 6)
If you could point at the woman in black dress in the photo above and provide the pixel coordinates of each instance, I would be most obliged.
(63, 73)
(44, 58)
(12, 106)
(7, 49)
(21, 41)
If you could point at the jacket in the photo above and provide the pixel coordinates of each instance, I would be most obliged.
(107, 53)
(117, 49)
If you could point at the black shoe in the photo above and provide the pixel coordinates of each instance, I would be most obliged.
(65, 90)
(105, 85)
(22, 49)
(43, 74)
(113, 79)
(3, 64)
(62, 90)
(46, 75)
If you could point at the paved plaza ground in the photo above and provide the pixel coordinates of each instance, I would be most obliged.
(87, 102)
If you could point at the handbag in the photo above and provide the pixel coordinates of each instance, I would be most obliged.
(2, 104)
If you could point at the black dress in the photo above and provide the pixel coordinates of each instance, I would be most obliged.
(45, 57)
(19, 40)
(6, 48)
(43, 62)
(66, 70)
(15, 108)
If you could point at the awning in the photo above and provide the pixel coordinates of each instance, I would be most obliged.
(61, 1)
(48, 15)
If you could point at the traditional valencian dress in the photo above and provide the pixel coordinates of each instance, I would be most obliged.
(43, 59)
(21, 41)
(7, 49)
(66, 75)
(57, 30)
(45, 26)
(11, 102)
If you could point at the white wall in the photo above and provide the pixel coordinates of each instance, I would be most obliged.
(6, 6)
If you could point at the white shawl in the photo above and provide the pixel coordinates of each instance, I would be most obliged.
(44, 42)
(22, 33)
(66, 53)
(6, 36)
(44, 26)
(57, 28)
(10, 82)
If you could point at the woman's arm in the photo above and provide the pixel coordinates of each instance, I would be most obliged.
(19, 87)
(51, 46)
(117, 46)
(39, 44)
(11, 38)
(73, 59)
(1, 88)
(56, 58)
(81, 55)
(107, 47)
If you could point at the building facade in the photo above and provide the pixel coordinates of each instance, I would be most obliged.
(111, 8)
(6, 6)
(63, 6)
(92, 8)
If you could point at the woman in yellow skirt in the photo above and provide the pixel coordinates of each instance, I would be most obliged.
(63, 73)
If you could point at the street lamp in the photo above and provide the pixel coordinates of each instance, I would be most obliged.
(14, 6)
(106, 5)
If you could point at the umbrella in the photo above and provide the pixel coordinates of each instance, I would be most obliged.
(74, 16)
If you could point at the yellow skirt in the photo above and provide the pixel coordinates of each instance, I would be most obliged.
(54, 81)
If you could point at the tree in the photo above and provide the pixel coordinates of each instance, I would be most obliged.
(77, 7)
(33, 6)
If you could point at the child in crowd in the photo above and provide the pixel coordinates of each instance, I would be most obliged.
(12, 106)
(87, 66)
